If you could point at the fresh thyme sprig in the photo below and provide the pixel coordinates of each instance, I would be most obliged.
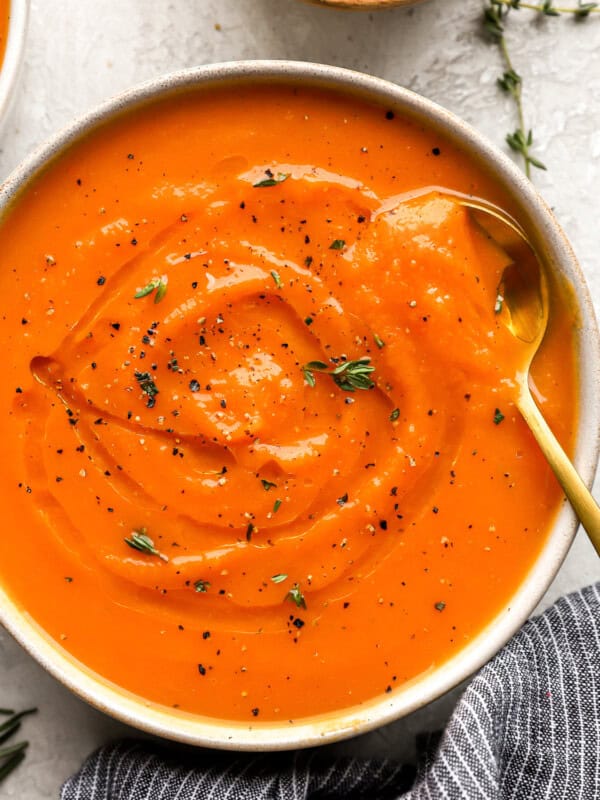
(349, 375)
(548, 8)
(12, 755)
(511, 82)
(494, 16)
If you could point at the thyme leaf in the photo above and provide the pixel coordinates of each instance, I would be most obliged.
(319, 366)
(272, 180)
(201, 586)
(296, 596)
(160, 284)
(161, 291)
(276, 278)
(309, 377)
(12, 755)
(520, 143)
(139, 540)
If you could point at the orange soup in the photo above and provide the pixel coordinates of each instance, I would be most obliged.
(261, 458)
(4, 23)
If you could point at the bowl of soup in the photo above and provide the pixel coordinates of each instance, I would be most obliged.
(266, 478)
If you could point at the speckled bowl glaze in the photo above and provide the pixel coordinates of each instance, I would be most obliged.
(554, 249)
(10, 67)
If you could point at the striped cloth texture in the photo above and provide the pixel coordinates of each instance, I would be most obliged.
(527, 726)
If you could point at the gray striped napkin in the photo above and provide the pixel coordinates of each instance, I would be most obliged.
(528, 726)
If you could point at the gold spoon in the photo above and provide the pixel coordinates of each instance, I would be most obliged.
(524, 290)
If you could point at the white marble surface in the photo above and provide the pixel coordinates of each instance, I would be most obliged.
(81, 51)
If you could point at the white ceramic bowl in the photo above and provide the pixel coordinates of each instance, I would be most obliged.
(13, 56)
(551, 243)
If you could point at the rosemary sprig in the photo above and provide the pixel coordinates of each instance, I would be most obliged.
(349, 375)
(12, 755)
(139, 540)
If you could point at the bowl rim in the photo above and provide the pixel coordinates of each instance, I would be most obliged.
(10, 65)
(535, 214)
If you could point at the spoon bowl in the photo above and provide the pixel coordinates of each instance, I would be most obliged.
(523, 303)
(523, 306)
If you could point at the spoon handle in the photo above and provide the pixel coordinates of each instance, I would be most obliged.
(575, 489)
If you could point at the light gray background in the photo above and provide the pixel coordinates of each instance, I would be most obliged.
(81, 51)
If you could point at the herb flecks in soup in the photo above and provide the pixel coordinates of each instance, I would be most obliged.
(259, 419)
